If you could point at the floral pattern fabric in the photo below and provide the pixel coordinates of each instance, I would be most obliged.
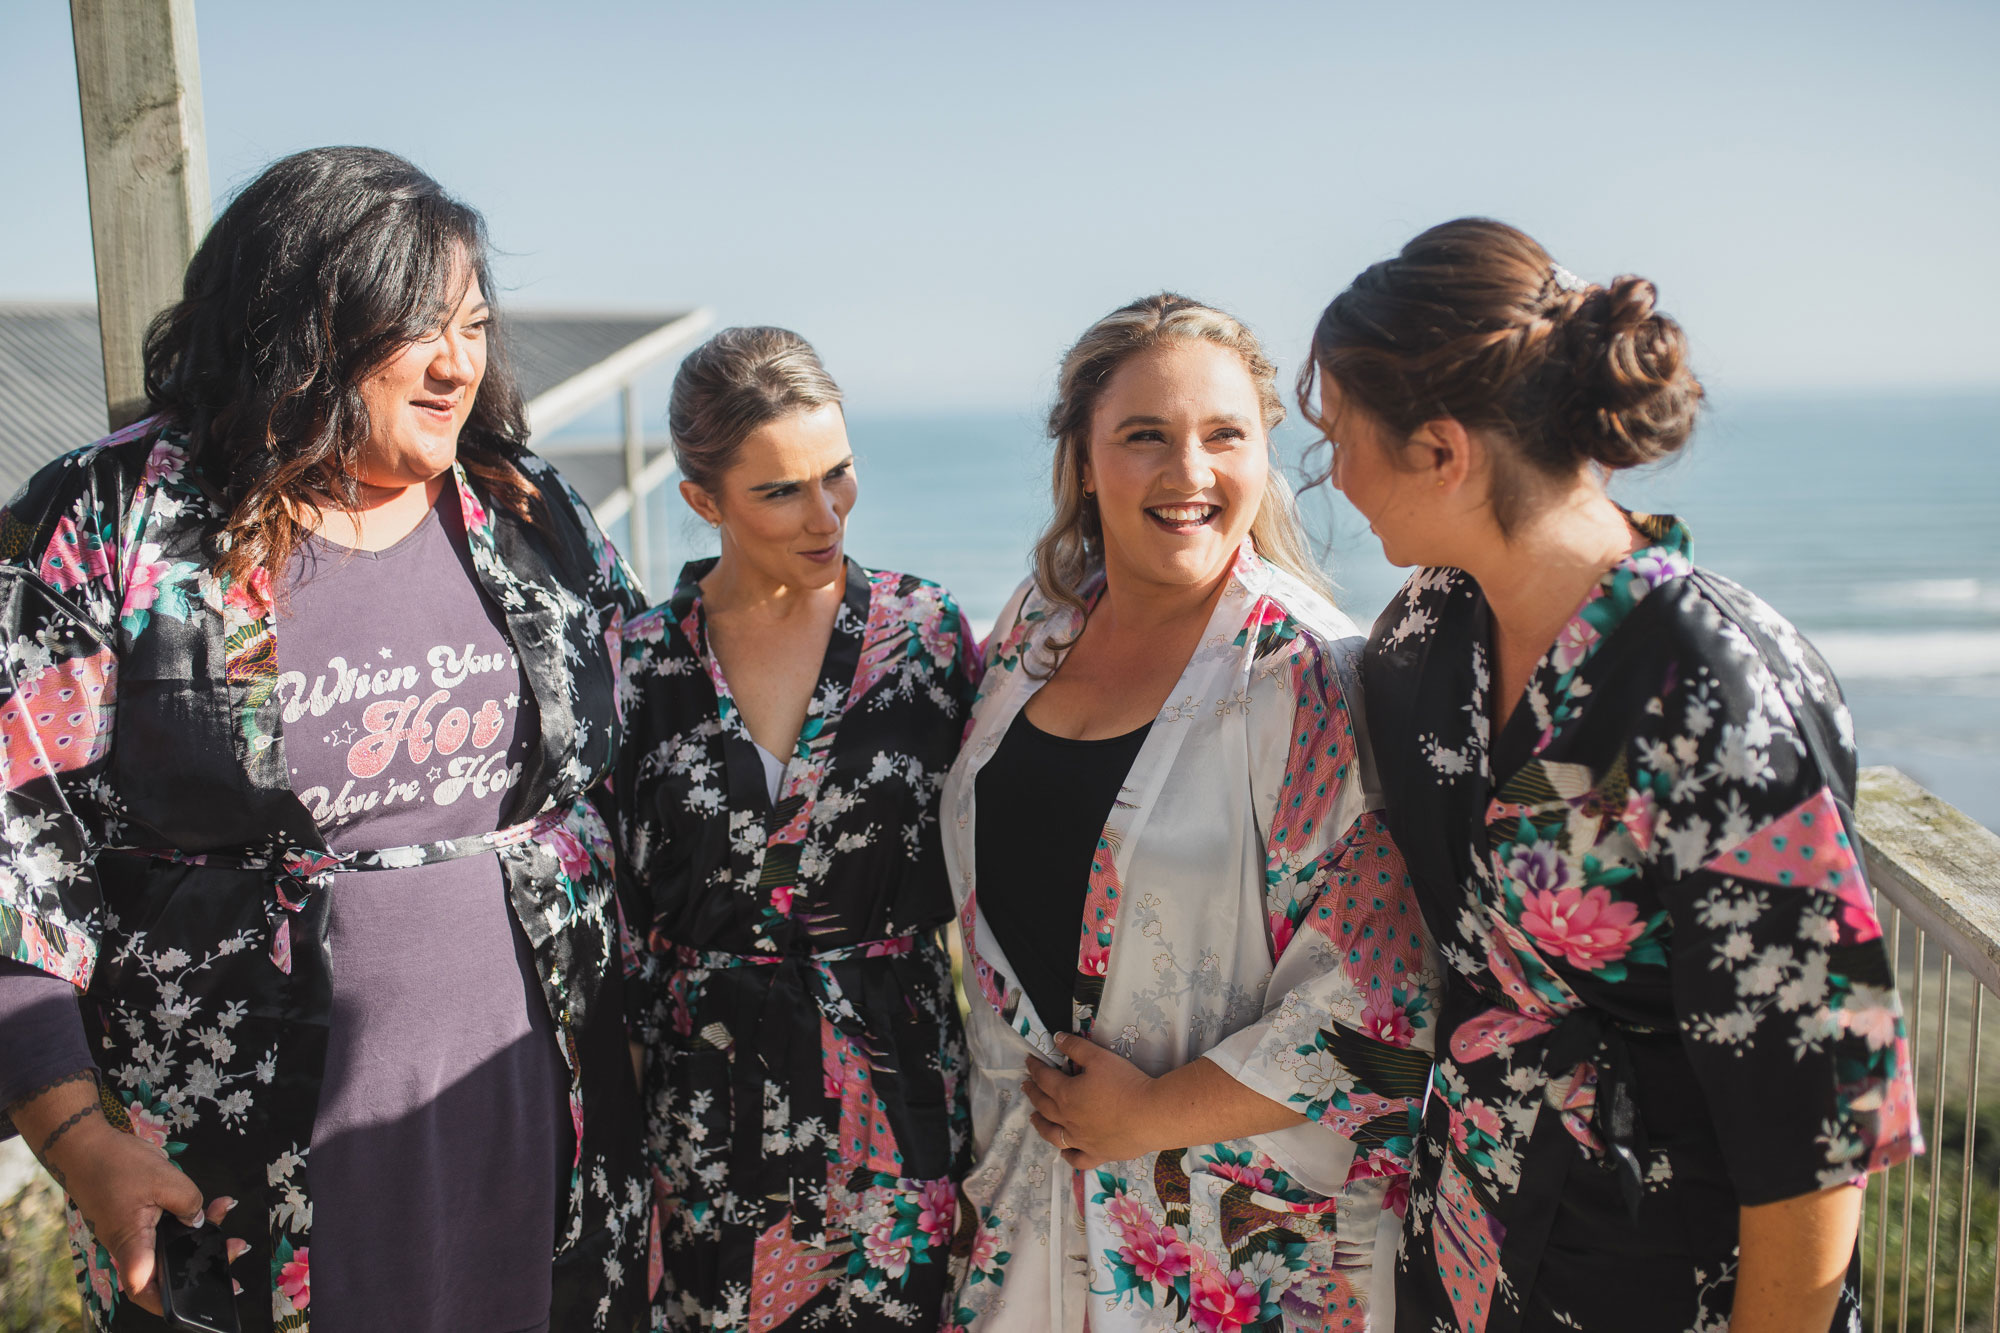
(1247, 906)
(805, 1108)
(156, 856)
(1668, 995)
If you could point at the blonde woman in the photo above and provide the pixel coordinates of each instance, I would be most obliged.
(1201, 1000)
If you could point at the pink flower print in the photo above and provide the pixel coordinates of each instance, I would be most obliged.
(985, 1248)
(886, 1251)
(295, 1280)
(1266, 612)
(1128, 1216)
(249, 598)
(146, 1126)
(1396, 1198)
(1537, 867)
(1641, 813)
(1243, 1175)
(96, 1263)
(1384, 1020)
(1160, 1257)
(142, 584)
(469, 506)
(1587, 929)
(937, 1210)
(1281, 933)
(1483, 1117)
(1096, 959)
(163, 463)
(781, 900)
(1223, 1302)
(1573, 644)
(570, 852)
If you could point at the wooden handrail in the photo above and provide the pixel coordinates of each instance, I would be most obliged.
(1939, 865)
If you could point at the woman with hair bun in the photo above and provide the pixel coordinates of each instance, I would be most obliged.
(789, 719)
(1671, 1045)
(1202, 1006)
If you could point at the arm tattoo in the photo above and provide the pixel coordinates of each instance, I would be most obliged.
(56, 1133)
(75, 1076)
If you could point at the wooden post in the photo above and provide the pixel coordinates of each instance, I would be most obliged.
(138, 78)
(639, 556)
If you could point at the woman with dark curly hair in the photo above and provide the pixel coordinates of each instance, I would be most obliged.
(1670, 1043)
(310, 679)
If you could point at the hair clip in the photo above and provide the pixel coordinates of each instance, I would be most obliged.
(1564, 280)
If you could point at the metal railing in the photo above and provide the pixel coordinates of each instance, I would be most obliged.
(645, 468)
(1930, 1225)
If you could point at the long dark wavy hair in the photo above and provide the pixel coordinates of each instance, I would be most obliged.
(317, 273)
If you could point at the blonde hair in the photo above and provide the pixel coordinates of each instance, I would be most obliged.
(1070, 552)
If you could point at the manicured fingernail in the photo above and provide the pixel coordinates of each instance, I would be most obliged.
(236, 1249)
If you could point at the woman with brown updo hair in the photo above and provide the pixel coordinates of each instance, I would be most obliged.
(1670, 1044)
(789, 718)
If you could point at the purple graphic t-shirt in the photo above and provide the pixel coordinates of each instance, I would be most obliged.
(443, 1124)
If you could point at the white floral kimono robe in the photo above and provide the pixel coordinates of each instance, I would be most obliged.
(1245, 905)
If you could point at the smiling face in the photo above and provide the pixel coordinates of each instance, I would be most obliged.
(1178, 459)
(418, 400)
(782, 506)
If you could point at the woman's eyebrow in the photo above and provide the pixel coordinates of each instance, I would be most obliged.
(1223, 418)
(777, 485)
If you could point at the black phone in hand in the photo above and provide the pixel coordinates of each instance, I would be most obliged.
(195, 1290)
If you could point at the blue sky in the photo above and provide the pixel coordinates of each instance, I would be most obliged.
(943, 195)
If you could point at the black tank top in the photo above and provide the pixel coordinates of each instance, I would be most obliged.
(1043, 802)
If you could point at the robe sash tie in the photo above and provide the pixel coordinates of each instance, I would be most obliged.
(1584, 1037)
(310, 865)
(789, 1053)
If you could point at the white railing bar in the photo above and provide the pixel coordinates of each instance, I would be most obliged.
(1965, 1172)
(615, 505)
(566, 445)
(1936, 1202)
(1910, 1163)
(1882, 1179)
(1937, 864)
(556, 407)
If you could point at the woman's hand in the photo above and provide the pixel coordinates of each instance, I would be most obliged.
(121, 1184)
(1099, 1113)
(1110, 1110)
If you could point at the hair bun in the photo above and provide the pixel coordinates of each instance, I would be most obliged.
(1634, 396)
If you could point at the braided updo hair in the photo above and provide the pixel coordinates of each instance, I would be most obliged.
(1474, 321)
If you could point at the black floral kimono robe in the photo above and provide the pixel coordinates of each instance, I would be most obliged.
(155, 855)
(806, 1118)
(1667, 994)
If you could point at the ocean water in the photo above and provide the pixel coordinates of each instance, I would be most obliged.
(1873, 523)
